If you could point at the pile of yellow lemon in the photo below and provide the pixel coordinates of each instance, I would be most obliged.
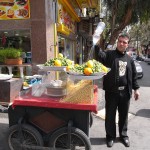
(59, 61)
(87, 68)
(90, 67)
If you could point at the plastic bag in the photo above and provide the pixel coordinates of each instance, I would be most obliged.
(38, 90)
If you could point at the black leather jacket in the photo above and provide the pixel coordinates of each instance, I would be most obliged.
(111, 80)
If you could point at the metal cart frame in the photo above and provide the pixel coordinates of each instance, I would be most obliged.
(49, 118)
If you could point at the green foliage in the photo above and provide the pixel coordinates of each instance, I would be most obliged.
(64, 61)
(122, 13)
(143, 10)
(140, 11)
(2, 56)
(97, 67)
(141, 31)
(10, 53)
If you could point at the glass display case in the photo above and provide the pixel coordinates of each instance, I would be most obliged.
(79, 91)
(58, 85)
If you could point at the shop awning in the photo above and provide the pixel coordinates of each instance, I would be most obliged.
(63, 29)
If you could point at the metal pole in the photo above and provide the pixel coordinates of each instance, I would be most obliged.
(55, 37)
(55, 30)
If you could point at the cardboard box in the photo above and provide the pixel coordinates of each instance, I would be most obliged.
(9, 90)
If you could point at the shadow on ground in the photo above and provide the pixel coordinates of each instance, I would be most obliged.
(102, 141)
(98, 141)
(143, 113)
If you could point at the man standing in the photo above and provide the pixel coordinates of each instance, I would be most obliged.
(118, 85)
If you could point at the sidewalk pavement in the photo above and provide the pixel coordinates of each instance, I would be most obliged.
(138, 129)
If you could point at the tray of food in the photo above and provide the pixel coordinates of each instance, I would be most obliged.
(51, 68)
(91, 70)
(84, 77)
(59, 63)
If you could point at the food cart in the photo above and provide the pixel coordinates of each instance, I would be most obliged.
(59, 117)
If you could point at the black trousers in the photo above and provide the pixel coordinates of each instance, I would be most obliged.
(116, 101)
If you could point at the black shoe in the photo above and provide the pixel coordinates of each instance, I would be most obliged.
(109, 142)
(126, 142)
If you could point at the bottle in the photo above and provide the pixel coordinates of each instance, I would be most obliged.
(99, 29)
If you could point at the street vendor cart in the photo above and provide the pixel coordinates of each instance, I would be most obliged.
(57, 118)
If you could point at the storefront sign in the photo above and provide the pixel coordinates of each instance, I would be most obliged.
(14, 9)
(65, 19)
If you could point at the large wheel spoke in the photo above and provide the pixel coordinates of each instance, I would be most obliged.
(30, 136)
(61, 142)
(79, 140)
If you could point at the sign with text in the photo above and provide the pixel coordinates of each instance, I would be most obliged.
(65, 18)
(14, 9)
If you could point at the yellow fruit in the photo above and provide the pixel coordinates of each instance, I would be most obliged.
(88, 71)
(76, 65)
(90, 64)
(105, 69)
(25, 84)
(60, 55)
(70, 62)
(68, 68)
(57, 63)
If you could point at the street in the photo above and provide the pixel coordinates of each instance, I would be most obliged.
(139, 123)
(145, 81)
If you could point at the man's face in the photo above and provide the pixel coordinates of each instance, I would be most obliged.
(122, 44)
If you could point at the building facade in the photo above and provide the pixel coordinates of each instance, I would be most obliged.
(46, 27)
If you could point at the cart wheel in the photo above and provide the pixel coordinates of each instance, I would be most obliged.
(79, 139)
(30, 136)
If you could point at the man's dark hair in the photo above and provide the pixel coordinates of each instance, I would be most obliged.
(124, 35)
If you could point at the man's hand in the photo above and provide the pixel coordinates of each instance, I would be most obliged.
(136, 94)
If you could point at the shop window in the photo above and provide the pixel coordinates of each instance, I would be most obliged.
(69, 49)
(61, 45)
(19, 39)
(66, 47)
(16, 39)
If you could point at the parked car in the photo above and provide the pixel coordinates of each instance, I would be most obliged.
(132, 54)
(140, 58)
(147, 60)
(138, 69)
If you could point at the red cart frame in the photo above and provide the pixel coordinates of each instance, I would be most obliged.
(49, 115)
